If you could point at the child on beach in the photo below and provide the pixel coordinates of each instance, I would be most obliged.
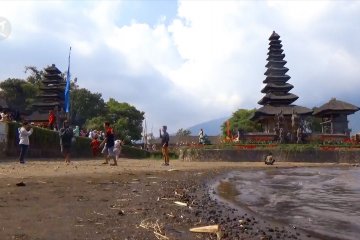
(117, 148)
(95, 146)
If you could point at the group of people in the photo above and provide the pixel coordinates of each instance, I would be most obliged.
(104, 140)
(111, 147)
(6, 116)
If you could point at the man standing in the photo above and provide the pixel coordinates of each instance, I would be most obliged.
(201, 136)
(66, 135)
(110, 142)
(24, 132)
(52, 119)
(165, 145)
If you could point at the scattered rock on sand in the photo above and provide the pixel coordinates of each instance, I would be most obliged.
(21, 184)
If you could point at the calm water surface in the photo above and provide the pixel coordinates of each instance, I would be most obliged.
(324, 200)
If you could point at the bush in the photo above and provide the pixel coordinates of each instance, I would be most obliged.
(134, 152)
(46, 142)
(158, 155)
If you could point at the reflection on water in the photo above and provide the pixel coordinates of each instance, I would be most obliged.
(325, 200)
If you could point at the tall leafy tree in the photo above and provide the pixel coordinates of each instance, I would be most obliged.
(241, 120)
(126, 119)
(19, 94)
(95, 123)
(85, 105)
(35, 75)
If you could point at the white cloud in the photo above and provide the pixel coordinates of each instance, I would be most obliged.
(299, 14)
(205, 63)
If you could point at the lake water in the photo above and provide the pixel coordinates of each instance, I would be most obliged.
(323, 200)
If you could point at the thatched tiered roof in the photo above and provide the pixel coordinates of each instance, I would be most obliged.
(52, 90)
(335, 105)
(276, 89)
(277, 97)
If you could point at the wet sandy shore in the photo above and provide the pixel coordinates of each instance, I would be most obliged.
(135, 200)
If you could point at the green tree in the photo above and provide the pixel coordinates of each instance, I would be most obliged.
(96, 123)
(19, 94)
(35, 75)
(183, 132)
(85, 105)
(126, 119)
(241, 120)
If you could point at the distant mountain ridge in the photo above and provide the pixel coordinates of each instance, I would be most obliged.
(211, 128)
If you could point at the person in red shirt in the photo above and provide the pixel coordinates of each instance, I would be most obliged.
(95, 146)
(110, 142)
(52, 119)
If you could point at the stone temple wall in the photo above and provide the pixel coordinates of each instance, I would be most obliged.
(244, 155)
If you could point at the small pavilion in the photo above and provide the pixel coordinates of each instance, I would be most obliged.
(333, 116)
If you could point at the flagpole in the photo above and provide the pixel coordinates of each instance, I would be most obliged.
(67, 89)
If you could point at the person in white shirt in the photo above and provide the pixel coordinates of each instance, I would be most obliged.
(117, 148)
(201, 136)
(24, 132)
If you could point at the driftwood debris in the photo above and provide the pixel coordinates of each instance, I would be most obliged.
(208, 229)
(181, 203)
(155, 227)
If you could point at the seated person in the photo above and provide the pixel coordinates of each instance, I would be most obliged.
(269, 159)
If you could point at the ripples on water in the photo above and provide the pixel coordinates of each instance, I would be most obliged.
(323, 200)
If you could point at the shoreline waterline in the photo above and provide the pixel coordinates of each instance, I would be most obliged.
(243, 190)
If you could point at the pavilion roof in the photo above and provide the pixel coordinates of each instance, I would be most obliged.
(37, 117)
(269, 110)
(335, 105)
(274, 36)
(279, 87)
(274, 98)
(52, 69)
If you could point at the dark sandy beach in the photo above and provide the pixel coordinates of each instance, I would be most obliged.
(134, 200)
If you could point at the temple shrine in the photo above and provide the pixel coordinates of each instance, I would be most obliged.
(333, 115)
(278, 111)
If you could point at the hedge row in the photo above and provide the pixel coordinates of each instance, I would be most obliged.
(46, 143)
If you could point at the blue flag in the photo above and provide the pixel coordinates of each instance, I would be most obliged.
(67, 88)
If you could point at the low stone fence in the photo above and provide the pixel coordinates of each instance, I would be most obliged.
(257, 155)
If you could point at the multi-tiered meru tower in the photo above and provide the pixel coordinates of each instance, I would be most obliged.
(51, 95)
(52, 90)
(278, 99)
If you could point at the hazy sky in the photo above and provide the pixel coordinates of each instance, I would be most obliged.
(184, 62)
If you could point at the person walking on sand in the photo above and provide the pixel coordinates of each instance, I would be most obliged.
(24, 132)
(109, 142)
(95, 146)
(117, 149)
(66, 135)
(165, 145)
